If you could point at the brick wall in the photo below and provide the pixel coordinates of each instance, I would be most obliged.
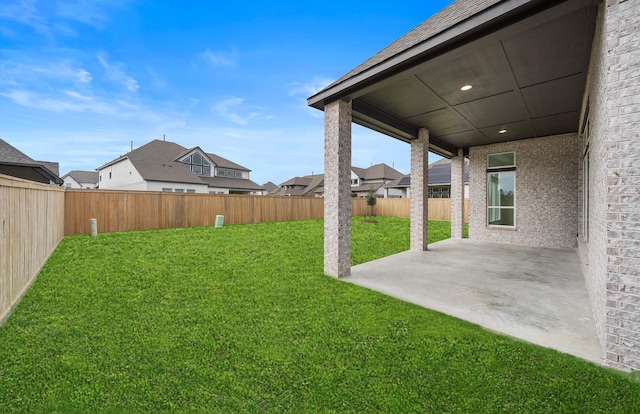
(546, 192)
(621, 51)
(592, 249)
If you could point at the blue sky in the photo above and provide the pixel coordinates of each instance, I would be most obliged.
(81, 79)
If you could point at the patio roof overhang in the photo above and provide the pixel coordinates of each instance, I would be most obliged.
(526, 61)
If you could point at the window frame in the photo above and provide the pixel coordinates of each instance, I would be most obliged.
(498, 169)
(204, 165)
(585, 178)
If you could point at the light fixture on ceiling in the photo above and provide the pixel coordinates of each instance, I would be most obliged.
(466, 87)
(502, 131)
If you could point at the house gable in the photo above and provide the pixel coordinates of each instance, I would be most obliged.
(198, 162)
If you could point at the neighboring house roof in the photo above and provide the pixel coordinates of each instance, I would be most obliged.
(360, 172)
(366, 187)
(402, 182)
(314, 184)
(225, 163)
(81, 176)
(232, 183)
(13, 157)
(306, 180)
(439, 174)
(54, 167)
(381, 171)
(269, 186)
(158, 161)
(305, 185)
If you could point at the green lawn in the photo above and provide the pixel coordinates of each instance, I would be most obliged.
(242, 319)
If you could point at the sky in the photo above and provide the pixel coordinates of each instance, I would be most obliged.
(81, 79)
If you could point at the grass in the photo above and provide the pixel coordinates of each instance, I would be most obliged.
(242, 319)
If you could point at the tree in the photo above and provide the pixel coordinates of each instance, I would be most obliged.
(371, 200)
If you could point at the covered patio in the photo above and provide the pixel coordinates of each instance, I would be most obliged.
(531, 293)
(541, 97)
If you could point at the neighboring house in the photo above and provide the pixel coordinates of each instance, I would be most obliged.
(15, 163)
(307, 186)
(80, 179)
(374, 178)
(167, 166)
(269, 187)
(439, 181)
(542, 98)
(363, 180)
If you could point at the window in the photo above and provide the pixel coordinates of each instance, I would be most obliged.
(179, 190)
(439, 192)
(222, 172)
(68, 185)
(198, 164)
(354, 181)
(167, 190)
(501, 189)
(191, 191)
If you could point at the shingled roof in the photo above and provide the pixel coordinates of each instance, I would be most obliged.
(11, 156)
(454, 14)
(82, 176)
(439, 174)
(158, 161)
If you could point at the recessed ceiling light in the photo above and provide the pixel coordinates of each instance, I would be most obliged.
(502, 131)
(466, 87)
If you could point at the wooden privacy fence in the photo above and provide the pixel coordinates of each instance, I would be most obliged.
(439, 208)
(31, 226)
(138, 210)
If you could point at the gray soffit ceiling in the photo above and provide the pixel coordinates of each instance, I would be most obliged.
(528, 72)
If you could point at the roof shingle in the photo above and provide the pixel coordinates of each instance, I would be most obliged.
(448, 17)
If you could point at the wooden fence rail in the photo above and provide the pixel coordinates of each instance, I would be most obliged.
(31, 226)
(138, 210)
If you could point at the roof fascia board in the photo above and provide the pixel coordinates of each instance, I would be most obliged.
(193, 150)
(455, 32)
(39, 168)
(110, 163)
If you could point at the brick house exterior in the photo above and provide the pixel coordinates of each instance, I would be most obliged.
(553, 101)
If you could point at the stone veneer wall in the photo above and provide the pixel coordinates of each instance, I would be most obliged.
(337, 189)
(457, 195)
(593, 251)
(546, 192)
(420, 188)
(611, 255)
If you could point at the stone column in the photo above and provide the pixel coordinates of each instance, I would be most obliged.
(419, 190)
(619, 121)
(337, 189)
(457, 195)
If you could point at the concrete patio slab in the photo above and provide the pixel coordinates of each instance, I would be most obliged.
(531, 293)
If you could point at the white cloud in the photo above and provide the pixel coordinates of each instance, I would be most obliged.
(50, 18)
(25, 12)
(232, 109)
(219, 57)
(309, 88)
(115, 72)
(93, 13)
(14, 72)
(72, 101)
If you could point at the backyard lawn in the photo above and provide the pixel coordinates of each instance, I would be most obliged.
(242, 319)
